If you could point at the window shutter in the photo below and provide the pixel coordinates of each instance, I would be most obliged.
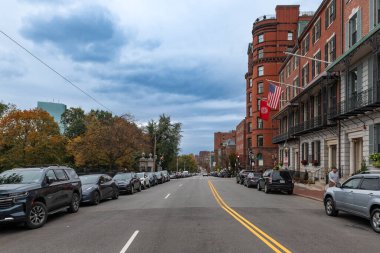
(334, 4)
(371, 131)
(359, 24)
(347, 37)
(371, 14)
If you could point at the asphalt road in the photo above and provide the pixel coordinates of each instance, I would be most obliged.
(195, 215)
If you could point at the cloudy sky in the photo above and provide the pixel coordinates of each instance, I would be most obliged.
(184, 58)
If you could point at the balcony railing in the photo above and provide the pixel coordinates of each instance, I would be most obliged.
(356, 104)
(309, 125)
(265, 17)
(280, 138)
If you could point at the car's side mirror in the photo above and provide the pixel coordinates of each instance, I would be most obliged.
(339, 185)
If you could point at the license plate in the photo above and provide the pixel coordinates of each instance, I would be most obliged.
(282, 181)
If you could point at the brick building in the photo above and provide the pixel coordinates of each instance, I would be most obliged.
(204, 159)
(307, 138)
(224, 145)
(241, 149)
(357, 110)
(272, 36)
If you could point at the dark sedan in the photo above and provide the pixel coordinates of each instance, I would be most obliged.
(276, 180)
(252, 179)
(98, 187)
(152, 178)
(160, 178)
(128, 182)
(240, 177)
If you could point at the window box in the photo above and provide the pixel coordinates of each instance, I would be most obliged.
(304, 162)
(315, 163)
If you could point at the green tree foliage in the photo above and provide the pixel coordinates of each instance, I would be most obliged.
(30, 137)
(5, 108)
(73, 120)
(187, 162)
(167, 136)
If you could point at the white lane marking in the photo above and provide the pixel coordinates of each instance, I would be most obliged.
(126, 246)
(180, 185)
(167, 196)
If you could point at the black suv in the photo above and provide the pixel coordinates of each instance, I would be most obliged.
(240, 177)
(30, 194)
(276, 180)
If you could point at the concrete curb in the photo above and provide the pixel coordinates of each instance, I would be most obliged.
(308, 197)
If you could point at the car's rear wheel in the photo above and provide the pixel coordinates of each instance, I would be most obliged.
(330, 207)
(37, 215)
(75, 202)
(266, 189)
(375, 220)
(115, 194)
(132, 189)
(96, 198)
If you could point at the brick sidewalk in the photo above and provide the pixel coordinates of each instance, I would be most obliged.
(307, 193)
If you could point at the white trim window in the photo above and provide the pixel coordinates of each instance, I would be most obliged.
(305, 75)
(290, 35)
(250, 97)
(260, 87)
(305, 45)
(250, 83)
(260, 53)
(316, 31)
(353, 30)
(316, 65)
(260, 123)
(250, 111)
(260, 71)
(260, 38)
(330, 50)
(330, 14)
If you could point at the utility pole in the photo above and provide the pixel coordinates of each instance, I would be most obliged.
(154, 153)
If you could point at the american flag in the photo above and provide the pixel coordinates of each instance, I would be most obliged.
(274, 96)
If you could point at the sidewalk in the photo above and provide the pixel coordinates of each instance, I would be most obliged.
(308, 191)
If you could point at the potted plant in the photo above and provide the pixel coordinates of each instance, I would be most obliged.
(304, 162)
(315, 163)
(375, 158)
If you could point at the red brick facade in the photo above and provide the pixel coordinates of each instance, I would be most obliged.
(220, 149)
(241, 149)
(272, 36)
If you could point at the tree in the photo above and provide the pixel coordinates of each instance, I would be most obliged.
(5, 108)
(166, 137)
(73, 120)
(30, 138)
(188, 163)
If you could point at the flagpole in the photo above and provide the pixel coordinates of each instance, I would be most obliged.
(302, 56)
(284, 84)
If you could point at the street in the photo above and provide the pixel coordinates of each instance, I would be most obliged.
(198, 214)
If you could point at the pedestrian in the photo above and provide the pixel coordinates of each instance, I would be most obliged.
(333, 177)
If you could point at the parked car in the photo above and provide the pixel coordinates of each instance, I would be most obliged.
(276, 180)
(31, 194)
(173, 176)
(160, 178)
(359, 195)
(252, 179)
(178, 174)
(205, 174)
(166, 175)
(241, 176)
(98, 187)
(144, 179)
(127, 182)
(152, 178)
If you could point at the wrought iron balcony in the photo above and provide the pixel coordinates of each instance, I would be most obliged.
(280, 138)
(356, 104)
(313, 124)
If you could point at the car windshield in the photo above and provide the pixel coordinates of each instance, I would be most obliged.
(122, 176)
(90, 179)
(141, 175)
(21, 176)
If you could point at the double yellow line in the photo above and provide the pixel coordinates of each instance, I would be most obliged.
(269, 241)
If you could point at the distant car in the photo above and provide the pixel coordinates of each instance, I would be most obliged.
(205, 174)
(359, 195)
(252, 179)
(178, 174)
(173, 176)
(166, 175)
(128, 182)
(160, 178)
(30, 194)
(241, 176)
(144, 179)
(276, 180)
(98, 187)
(152, 178)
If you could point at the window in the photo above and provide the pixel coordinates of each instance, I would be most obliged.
(250, 83)
(260, 160)
(260, 53)
(305, 151)
(258, 104)
(316, 151)
(260, 88)
(260, 38)
(260, 70)
(61, 175)
(330, 50)
(250, 97)
(249, 127)
(305, 75)
(316, 65)
(370, 184)
(353, 83)
(250, 111)
(305, 45)
(352, 184)
(288, 69)
(296, 83)
(260, 123)
(260, 141)
(249, 143)
(296, 61)
(353, 32)
(330, 13)
(290, 36)
(50, 174)
(316, 31)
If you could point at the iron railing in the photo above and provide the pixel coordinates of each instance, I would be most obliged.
(308, 125)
